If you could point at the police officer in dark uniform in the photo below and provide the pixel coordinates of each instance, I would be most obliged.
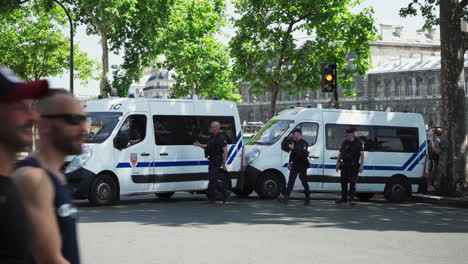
(216, 152)
(298, 164)
(351, 152)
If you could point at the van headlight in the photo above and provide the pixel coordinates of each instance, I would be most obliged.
(251, 156)
(79, 161)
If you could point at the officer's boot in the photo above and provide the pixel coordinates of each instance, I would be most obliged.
(307, 199)
(286, 199)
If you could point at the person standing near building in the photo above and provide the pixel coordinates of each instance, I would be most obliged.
(298, 164)
(42, 184)
(434, 153)
(216, 152)
(351, 162)
(16, 119)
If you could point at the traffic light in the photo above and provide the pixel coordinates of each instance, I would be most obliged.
(329, 77)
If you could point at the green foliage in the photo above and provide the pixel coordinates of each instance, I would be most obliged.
(201, 62)
(130, 27)
(34, 47)
(270, 59)
(429, 11)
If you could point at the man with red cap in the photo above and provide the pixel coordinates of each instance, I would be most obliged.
(16, 121)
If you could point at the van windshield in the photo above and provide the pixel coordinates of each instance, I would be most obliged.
(101, 125)
(271, 132)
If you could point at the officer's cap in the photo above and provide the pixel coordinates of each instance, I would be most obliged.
(297, 130)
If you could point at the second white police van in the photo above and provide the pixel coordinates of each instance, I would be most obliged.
(140, 146)
(394, 144)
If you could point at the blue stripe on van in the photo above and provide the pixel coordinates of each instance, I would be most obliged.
(413, 160)
(239, 146)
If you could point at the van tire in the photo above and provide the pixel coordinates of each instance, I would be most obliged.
(167, 195)
(269, 186)
(241, 192)
(223, 177)
(103, 190)
(398, 190)
(364, 196)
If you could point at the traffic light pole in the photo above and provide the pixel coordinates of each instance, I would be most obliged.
(335, 97)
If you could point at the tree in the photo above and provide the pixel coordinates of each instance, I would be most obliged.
(269, 58)
(453, 172)
(34, 47)
(127, 26)
(200, 61)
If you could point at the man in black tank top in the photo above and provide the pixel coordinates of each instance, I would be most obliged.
(43, 186)
(16, 121)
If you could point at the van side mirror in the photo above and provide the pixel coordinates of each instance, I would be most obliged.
(285, 143)
(116, 143)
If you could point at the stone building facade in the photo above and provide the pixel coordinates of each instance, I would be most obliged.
(404, 77)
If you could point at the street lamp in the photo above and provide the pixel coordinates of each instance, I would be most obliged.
(71, 43)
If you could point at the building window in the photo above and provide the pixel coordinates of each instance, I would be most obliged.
(398, 88)
(408, 88)
(387, 92)
(418, 86)
(430, 86)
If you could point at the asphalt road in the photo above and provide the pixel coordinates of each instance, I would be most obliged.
(189, 230)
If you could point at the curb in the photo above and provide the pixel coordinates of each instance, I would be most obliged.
(440, 200)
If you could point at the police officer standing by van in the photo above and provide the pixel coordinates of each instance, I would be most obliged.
(216, 152)
(298, 164)
(351, 162)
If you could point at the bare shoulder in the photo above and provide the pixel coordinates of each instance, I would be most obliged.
(33, 183)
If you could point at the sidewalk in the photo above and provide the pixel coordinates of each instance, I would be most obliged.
(441, 200)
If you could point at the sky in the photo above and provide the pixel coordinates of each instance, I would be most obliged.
(385, 12)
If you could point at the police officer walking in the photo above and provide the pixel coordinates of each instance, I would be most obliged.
(216, 152)
(298, 164)
(351, 152)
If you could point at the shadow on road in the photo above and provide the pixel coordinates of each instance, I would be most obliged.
(196, 212)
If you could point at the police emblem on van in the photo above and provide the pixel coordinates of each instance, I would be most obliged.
(134, 159)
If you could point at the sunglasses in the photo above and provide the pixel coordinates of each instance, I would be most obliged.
(71, 119)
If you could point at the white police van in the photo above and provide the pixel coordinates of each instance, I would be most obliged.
(140, 146)
(394, 144)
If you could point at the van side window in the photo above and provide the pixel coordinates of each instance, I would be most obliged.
(309, 132)
(175, 130)
(228, 127)
(376, 138)
(132, 132)
(397, 139)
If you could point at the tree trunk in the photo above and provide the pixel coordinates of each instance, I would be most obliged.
(274, 96)
(105, 62)
(453, 160)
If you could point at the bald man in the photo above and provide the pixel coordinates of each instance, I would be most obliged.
(216, 152)
(43, 186)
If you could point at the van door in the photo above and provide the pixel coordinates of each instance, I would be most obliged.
(133, 154)
(334, 137)
(315, 172)
(177, 162)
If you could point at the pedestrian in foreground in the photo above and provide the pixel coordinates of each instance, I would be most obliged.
(216, 152)
(351, 163)
(16, 119)
(298, 164)
(42, 184)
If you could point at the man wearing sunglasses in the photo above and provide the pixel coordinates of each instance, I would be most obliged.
(61, 128)
(16, 121)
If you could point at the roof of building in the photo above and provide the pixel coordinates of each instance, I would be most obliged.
(410, 64)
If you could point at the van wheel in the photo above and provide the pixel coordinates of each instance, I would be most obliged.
(269, 186)
(241, 192)
(224, 179)
(103, 190)
(166, 195)
(365, 196)
(398, 190)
